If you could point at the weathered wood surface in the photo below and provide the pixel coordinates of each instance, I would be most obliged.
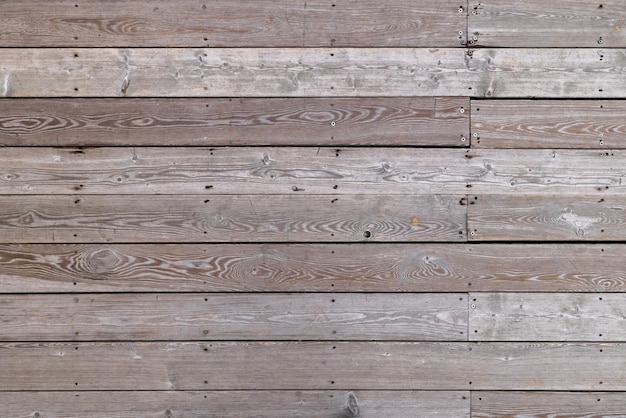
(548, 404)
(547, 317)
(536, 23)
(183, 218)
(237, 404)
(312, 365)
(430, 121)
(51, 268)
(538, 218)
(312, 72)
(225, 23)
(244, 316)
(548, 124)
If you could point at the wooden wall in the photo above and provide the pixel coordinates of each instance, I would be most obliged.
(315, 208)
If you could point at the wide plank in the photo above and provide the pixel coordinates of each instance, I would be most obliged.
(547, 404)
(312, 366)
(548, 124)
(540, 24)
(252, 218)
(237, 404)
(562, 217)
(224, 23)
(242, 316)
(415, 121)
(547, 317)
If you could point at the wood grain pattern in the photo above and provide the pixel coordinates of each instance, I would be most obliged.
(535, 23)
(224, 23)
(436, 121)
(538, 218)
(548, 124)
(546, 317)
(53, 268)
(237, 404)
(547, 404)
(183, 218)
(312, 366)
(245, 316)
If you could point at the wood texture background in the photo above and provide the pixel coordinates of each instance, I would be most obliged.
(312, 209)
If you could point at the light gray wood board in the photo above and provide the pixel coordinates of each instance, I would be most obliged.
(548, 124)
(295, 72)
(563, 217)
(237, 404)
(53, 268)
(431, 121)
(547, 317)
(312, 365)
(224, 23)
(548, 404)
(242, 316)
(536, 23)
(184, 218)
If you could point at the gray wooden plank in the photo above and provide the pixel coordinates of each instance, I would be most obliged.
(312, 365)
(547, 317)
(224, 23)
(237, 404)
(431, 121)
(548, 124)
(548, 404)
(312, 72)
(242, 316)
(561, 217)
(536, 23)
(53, 268)
(184, 218)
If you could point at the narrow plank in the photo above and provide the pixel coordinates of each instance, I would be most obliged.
(547, 404)
(554, 217)
(547, 317)
(183, 218)
(223, 23)
(243, 316)
(53, 268)
(237, 404)
(548, 124)
(312, 366)
(423, 121)
(535, 23)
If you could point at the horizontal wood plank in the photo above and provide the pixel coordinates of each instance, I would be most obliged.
(224, 23)
(184, 218)
(312, 72)
(547, 317)
(312, 365)
(538, 218)
(244, 316)
(237, 404)
(536, 23)
(430, 121)
(547, 404)
(548, 124)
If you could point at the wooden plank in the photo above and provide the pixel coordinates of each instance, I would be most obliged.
(547, 317)
(223, 23)
(243, 316)
(430, 121)
(312, 366)
(536, 23)
(183, 218)
(547, 404)
(53, 268)
(563, 217)
(548, 124)
(237, 404)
